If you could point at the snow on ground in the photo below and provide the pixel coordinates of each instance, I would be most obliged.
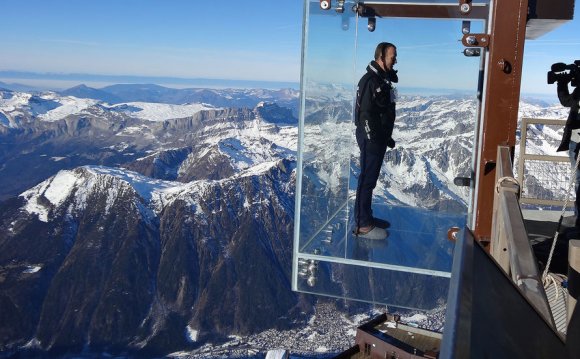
(55, 190)
(68, 106)
(31, 269)
(160, 111)
(191, 334)
(52, 107)
(13, 101)
(327, 331)
(416, 318)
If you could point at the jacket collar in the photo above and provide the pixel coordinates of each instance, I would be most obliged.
(377, 70)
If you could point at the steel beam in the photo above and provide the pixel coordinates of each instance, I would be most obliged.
(507, 30)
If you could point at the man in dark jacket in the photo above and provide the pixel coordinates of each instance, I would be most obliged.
(374, 119)
(571, 136)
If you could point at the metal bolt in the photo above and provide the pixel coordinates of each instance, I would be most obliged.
(312, 265)
(470, 51)
(325, 4)
(465, 8)
(340, 6)
(372, 24)
(471, 40)
(466, 27)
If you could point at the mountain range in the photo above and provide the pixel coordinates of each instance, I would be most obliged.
(137, 218)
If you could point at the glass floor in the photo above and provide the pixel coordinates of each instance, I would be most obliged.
(417, 240)
(409, 269)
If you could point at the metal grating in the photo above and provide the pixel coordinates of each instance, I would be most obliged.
(558, 298)
(543, 172)
(545, 180)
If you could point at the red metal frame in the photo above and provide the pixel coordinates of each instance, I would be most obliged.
(501, 102)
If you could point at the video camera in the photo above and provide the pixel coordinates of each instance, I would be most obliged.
(559, 73)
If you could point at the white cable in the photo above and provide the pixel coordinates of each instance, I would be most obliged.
(570, 184)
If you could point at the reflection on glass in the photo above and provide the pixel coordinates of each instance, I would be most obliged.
(434, 132)
(377, 285)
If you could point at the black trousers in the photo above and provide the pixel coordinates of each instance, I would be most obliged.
(371, 160)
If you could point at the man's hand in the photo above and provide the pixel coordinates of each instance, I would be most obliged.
(390, 143)
(564, 80)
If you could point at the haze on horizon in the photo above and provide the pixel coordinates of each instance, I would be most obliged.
(182, 43)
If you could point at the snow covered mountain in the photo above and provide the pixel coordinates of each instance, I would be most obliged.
(154, 227)
(44, 133)
(116, 94)
(147, 255)
(142, 260)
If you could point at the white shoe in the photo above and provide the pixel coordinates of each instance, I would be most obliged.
(374, 233)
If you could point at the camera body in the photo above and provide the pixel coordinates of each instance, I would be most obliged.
(566, 73)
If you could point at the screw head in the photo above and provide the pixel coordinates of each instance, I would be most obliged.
(465, 8)
(372, 24)
(471, 40)
(325, 4)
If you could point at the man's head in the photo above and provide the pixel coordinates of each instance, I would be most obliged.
(386, 55)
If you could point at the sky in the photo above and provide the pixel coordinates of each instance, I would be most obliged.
(253, 40)
(244, 40)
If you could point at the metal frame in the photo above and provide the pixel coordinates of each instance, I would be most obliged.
(510, 245)
(431, 11)
(501, 97)
(488, 316)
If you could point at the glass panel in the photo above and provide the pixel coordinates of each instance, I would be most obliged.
(376, 285)
(326, 116)
(434, 133)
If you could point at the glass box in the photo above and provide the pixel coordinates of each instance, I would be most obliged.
(424, 187)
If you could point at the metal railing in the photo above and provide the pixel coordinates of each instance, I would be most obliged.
(510, 245)
(543, 177)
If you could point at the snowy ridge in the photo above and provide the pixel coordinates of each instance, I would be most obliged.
(67, 106)
(160, 111)
(52, 107)
(56, 190)
(78, 185)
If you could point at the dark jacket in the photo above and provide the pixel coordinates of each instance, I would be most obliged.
(375, 110)
(573, 122)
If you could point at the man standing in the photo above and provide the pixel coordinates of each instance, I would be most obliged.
(374, 119)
